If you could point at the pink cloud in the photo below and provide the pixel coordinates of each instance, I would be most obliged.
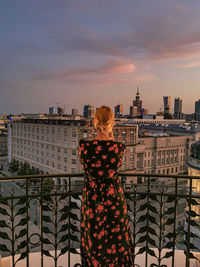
(187, 65)
(110, 67)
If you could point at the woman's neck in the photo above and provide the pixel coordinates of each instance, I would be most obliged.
(102, 136)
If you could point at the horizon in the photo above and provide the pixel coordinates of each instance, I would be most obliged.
(98, 52)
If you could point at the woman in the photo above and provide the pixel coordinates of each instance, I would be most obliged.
(105, 231)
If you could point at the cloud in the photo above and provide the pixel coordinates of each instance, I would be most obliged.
(110, 67)
(187, 65)
(115, 71)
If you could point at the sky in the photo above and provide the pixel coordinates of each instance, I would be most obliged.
(77, 52)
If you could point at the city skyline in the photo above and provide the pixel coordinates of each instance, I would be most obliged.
(97, 52)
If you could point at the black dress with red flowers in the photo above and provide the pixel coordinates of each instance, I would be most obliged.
(105, 230)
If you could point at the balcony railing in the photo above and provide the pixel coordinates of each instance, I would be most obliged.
(38, 217)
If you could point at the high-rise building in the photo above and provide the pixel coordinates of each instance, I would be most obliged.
(52, 110)
(138, 103)
(118, 110)
(177, 108)
(197, 108)
(88, 111)
(74, 111)
(167, 104)
(60, 110)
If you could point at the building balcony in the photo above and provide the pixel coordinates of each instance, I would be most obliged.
(40, 222)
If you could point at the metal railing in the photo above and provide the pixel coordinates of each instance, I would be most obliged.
(36, 216)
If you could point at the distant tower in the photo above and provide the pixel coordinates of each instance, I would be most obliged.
(88, 111)
(60, 110)
(167, 104)
(118, 110)
(177, 108)
(138, 103)
(197, 110)
(74, 111)
(52, 110)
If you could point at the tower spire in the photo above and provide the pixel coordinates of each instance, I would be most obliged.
(138, 90)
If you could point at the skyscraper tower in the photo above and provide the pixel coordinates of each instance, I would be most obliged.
(138, 103)
(118, 110)
(167, 104)
(177, 108)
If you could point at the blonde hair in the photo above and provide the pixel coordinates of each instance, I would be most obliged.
(104, 118)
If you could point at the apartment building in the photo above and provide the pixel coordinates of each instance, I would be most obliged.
(51, 145)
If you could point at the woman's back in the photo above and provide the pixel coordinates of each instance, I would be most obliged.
(105, 231)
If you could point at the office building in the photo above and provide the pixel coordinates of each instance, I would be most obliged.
(61, 110)
(89, 111)
(177, 108)
(74, 112)
(138, 103)
(197, 110)
(52, 110)
(118, 111)
(167, 104)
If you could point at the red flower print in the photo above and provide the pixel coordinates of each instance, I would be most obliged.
(110, 148)
(92, 165)
(109, 250)
(109, 202)
(87, 144)
(85, 152)
(99, 236)
(98, 164)
(94, 197)
(100, 208)
(99, 148)
(98, 218)
(100, 172)
(116, 150)
(91, 215)
(111, 191)
(111, 173)
(92, 184)
(100, 247)
(96, 263)
(113, 207)
(81, 148)
(104, 156)
(117, 212)
(113, 160)
(119, 237)
(95, 142)
(108, 144)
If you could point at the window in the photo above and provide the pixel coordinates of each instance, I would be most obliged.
(163, 171)
(73, 170)
(65, 159)
(73, 143)
(168, 171)
(131, 149)
(73, 152)
(59, 149)
(73, 161)
(59, 158)
(131, 157)
(73, 133)
(52, 164)
(65, 169)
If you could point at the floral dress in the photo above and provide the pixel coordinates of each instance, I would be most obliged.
(105, 231)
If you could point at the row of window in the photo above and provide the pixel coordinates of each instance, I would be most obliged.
(165, 152)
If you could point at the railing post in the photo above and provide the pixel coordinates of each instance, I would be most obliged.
(69, 202)
(27, 226)
(41, 222)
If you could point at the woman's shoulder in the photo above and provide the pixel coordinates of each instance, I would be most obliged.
(97, 141)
